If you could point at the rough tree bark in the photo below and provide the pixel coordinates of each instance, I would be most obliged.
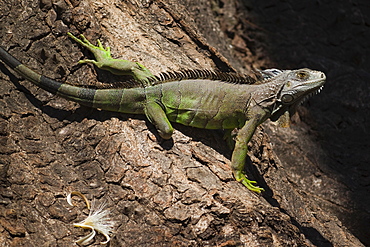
(171, 193)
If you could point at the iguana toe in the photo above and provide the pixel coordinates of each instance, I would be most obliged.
(101, 54)
(249, 184)
(240, 177)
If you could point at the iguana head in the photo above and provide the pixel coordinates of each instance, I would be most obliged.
(291, 87)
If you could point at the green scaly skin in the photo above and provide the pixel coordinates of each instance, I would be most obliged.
(104, 60)
(209, 103)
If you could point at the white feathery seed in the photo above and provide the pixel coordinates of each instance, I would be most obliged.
(98, 220)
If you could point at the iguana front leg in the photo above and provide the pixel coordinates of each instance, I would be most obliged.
(240, 151)
(103, 60)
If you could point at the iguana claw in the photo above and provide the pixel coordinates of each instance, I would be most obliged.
(100, 53)
(240, 177)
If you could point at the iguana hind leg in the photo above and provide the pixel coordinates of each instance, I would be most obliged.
(156, 115)
(104, 60)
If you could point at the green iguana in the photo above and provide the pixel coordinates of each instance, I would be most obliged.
(197, 98)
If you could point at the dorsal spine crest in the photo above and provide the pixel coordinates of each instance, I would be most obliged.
(191, 74)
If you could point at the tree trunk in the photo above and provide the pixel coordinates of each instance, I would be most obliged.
(178, 192)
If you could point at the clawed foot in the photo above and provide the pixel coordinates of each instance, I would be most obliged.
(240, 177)
(100, 53)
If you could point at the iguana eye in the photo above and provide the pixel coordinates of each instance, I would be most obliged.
(302, 74)
(287, 98)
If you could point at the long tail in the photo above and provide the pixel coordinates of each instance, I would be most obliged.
(84, 96)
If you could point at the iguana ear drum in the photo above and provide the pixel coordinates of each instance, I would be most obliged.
(286, 98)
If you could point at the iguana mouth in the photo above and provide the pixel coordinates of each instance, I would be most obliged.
(317, 91)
